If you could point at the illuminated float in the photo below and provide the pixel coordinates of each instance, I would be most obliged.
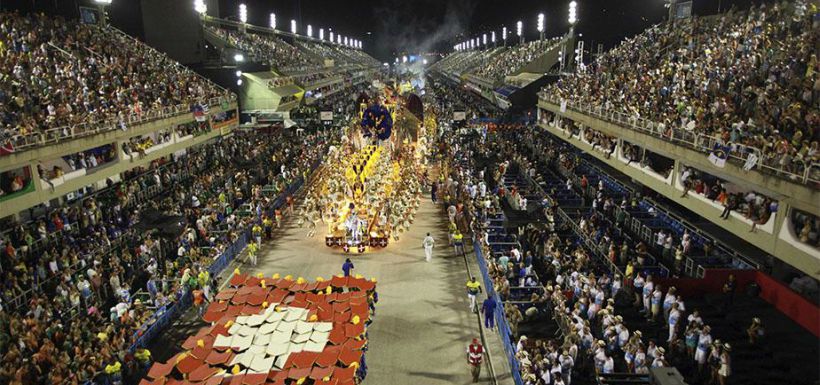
(369, 189)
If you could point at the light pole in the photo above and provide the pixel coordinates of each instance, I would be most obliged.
(519, 29)
(243, 16)
(567, 56)
(541, 26)
(101, 6)
(200, 7)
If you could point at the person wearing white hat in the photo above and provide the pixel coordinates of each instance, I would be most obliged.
(755, 330)
(521, 344)
(659, 361)
(704, 342)
(599, 357)
(725, 364)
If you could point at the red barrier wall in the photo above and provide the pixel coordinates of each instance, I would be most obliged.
(793, 305)
(712, 282)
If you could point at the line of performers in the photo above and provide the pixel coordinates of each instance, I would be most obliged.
(365, 197)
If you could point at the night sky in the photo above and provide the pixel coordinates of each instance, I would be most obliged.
(413, 26)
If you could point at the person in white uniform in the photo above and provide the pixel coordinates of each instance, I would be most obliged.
(674, 317)
(725, 364)
(704, 342)
(428, 244)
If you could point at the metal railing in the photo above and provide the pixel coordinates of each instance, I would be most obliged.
(61, 134)
(698, 141)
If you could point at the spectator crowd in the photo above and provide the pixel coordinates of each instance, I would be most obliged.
(58, 73)
(745, 77)
(81, 280)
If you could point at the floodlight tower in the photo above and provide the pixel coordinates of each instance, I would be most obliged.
(568, 55)
(309, 30)
(573, 17)
(293, 26)
(321, 34)
(504, 35)
(492, 37)
(541, 26)
(200, 7)
(273, 21)
(519, 29)
(101, 4)
(243, 16)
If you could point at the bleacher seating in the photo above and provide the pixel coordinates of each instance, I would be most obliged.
(64, 79)
(753, 68)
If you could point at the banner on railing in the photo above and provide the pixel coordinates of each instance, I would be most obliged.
(751, 162)
(719, 154)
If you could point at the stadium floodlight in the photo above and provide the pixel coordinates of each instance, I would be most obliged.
(339, 39)
(492, 36)
(200, 7)
(519, 28)
(321, 34)
(293, 26)
(239, 58)
(331, 36)
(346, 43)
(541, 23)
(484, 39)
(309, 31)
(504, 35)
(243, 13)
(272, 21)
(573, 12)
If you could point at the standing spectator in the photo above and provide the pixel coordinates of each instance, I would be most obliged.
(475, 356)
(347, 267)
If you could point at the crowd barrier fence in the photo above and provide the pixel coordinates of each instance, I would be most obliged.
(500, 317)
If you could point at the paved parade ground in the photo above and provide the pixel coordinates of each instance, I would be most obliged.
(422, 324)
